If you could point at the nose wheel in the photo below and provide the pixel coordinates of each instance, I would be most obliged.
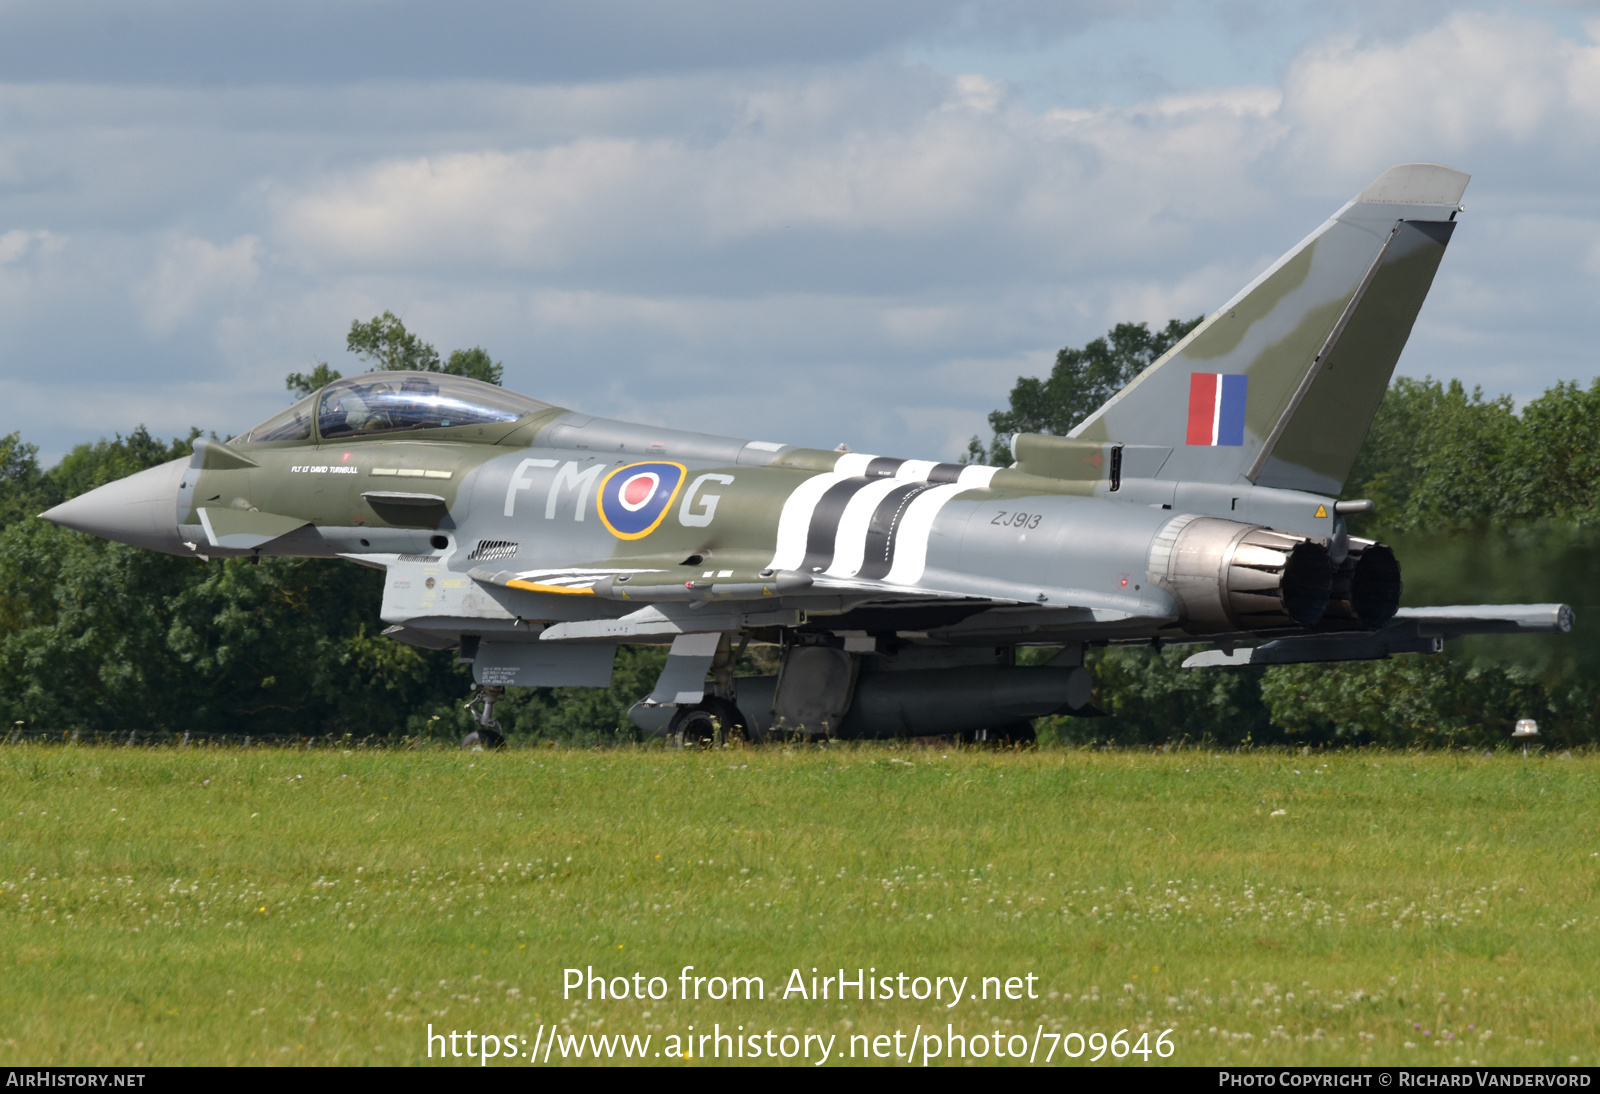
(488, 734)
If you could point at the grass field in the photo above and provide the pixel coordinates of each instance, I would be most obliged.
(172, 906)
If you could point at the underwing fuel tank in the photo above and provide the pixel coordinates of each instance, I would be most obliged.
(921, 702)
(946, 702)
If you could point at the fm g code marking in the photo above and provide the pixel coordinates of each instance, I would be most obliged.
(633, 499)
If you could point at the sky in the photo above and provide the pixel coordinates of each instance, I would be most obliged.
(817, 222)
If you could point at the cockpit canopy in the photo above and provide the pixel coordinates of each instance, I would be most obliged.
(393, 402)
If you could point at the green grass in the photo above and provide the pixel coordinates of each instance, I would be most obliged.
(164, 906)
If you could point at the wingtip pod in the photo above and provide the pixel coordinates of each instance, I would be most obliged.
(1417, 184)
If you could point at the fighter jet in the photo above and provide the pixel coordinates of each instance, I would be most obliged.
(1199, 505)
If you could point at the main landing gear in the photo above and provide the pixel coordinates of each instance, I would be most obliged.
(488, 734)
(713, 722)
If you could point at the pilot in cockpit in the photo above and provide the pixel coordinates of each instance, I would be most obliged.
(335, 415)
(418, 403)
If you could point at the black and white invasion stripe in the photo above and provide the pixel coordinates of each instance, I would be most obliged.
(870, 517)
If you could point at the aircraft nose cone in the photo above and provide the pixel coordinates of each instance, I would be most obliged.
(141, 509)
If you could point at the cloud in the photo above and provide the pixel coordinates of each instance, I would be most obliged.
(188, 42)
(103, 409)
(1475, 81)
(192, 272)
(955, 184)
(19, 245)
(823, 246)
(1192, 294)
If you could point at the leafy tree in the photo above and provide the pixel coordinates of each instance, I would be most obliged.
(79, 617)
(21, 482)
(1555, 468)
(1474, 692)
(302, 384)
(384, 343)
(88, 466)
(474, 363)
(1436, 457)
(1079, 384)
(99, 637)
(1440, 459)
(1482, 505)
(1149, 698)
(1423, 701)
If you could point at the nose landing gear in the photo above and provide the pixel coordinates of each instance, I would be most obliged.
(488, 734)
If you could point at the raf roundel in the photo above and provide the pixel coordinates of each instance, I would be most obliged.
(634, 499)
(639, 491)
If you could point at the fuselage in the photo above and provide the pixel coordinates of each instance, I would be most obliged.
(547, 516)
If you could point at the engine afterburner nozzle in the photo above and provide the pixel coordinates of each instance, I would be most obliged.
(1366, 587)
(141, 509)
(1230, 576)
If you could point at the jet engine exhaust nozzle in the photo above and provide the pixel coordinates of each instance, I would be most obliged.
(1366, 586)
(1229, 576)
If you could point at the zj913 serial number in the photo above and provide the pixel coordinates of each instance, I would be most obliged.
(1017, 520)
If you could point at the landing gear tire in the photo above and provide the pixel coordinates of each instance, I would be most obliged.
(480, 739)
(713, 723)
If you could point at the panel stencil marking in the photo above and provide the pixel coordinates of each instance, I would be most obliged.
(884, 468)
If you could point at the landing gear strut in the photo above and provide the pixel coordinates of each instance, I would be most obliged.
(488, 734)
(716, 720)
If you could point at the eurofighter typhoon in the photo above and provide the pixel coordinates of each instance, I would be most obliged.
(1200, 505)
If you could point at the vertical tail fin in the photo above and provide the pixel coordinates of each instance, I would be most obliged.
(1279, 387)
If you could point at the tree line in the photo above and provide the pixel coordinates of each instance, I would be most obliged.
(1484, 503)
